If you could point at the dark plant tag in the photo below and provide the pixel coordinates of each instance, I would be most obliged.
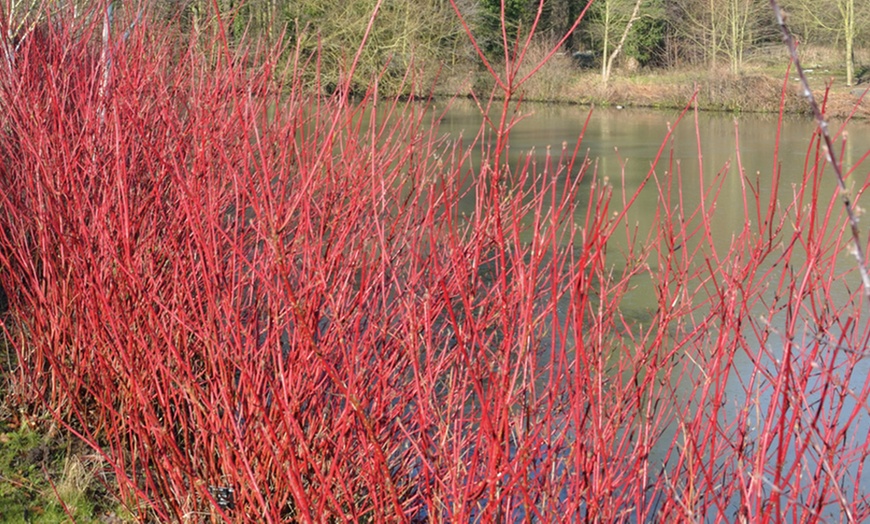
(224, 496)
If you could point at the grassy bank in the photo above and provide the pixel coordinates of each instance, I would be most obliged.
(48, 476)
(757, 88)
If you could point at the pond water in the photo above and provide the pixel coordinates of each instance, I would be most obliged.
(633, 137)
(624, 143)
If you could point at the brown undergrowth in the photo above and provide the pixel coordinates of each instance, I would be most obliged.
(47, 475)
(757, 90)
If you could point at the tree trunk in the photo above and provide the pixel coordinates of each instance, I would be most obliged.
(604, 71)
(849, 32)
(635, 14)
(714, 44)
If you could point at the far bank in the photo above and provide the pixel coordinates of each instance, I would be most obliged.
(756, 89)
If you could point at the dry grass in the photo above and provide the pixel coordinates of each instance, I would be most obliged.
(756, 89)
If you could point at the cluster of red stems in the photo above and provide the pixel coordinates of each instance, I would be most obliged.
(259, 303)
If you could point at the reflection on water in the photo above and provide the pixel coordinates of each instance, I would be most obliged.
(623, 144)
(632, 138)
(626, 142)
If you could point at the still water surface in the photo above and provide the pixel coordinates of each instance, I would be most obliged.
(633, 137)
(626, 142)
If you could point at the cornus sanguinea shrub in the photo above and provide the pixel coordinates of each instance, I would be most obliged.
(259, 303)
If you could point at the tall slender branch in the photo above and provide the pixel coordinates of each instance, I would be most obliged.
(822, 123)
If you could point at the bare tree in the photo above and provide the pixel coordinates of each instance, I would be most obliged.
(607, 60)
(844, 24)
(611, 27)
(720, 29)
